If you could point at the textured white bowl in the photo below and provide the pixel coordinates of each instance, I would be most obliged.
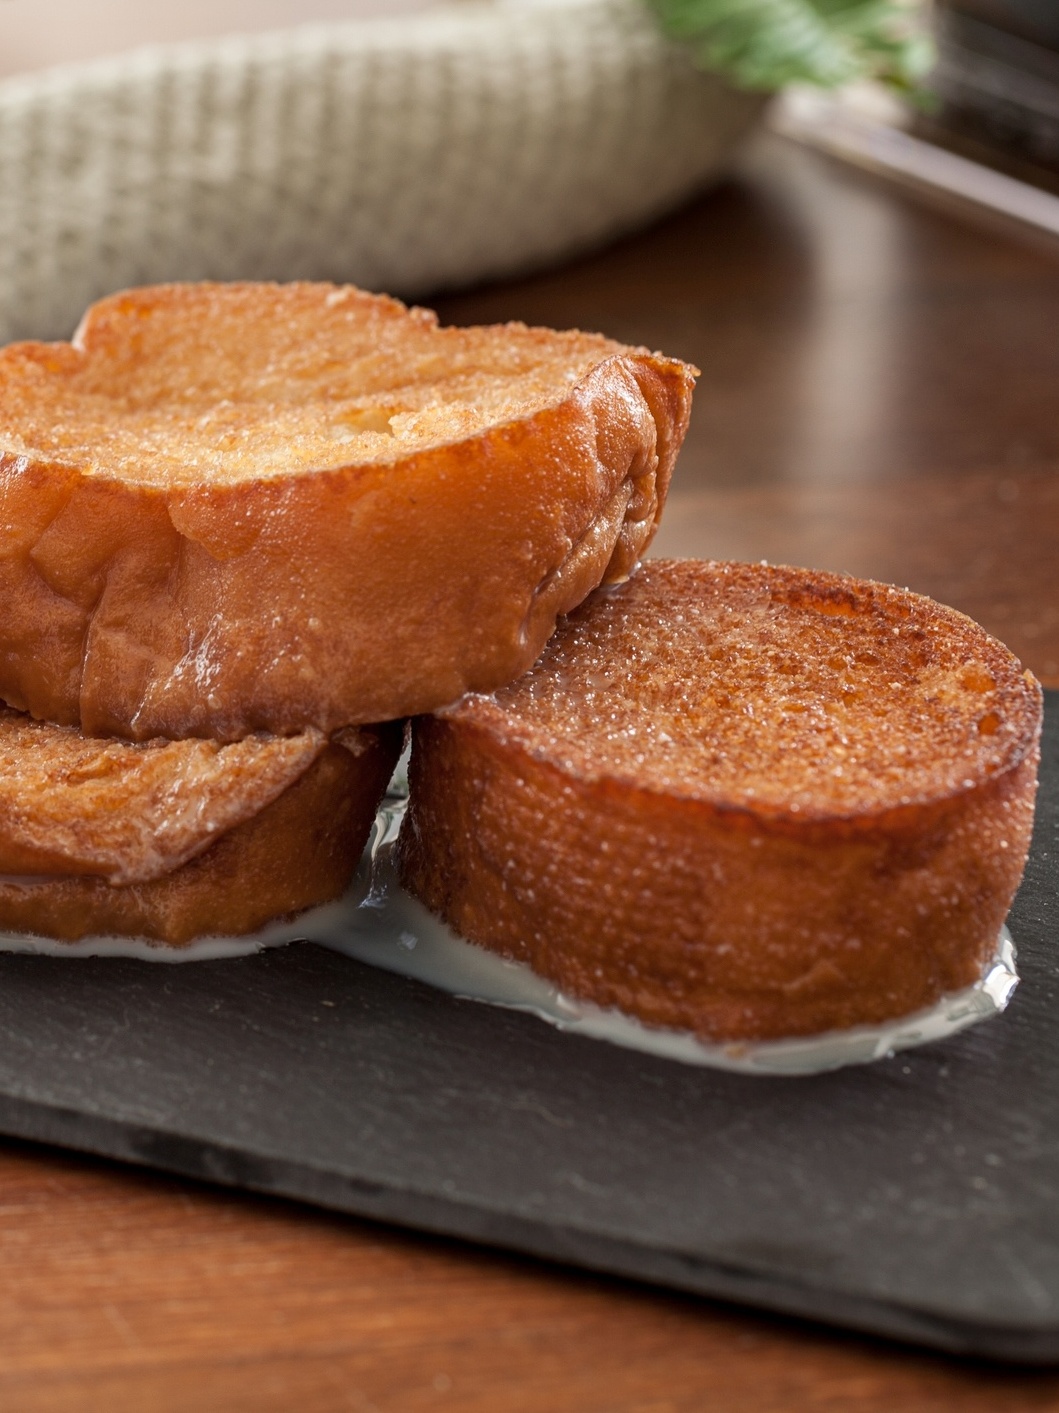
(36, 34)
(409, 155)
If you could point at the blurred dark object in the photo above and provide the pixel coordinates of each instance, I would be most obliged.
(997, 84)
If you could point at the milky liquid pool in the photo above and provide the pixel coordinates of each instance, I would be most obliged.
(377, 922)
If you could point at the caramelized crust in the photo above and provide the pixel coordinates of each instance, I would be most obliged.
(246, 834)
(240, 508)
(744, 801)
(73, 804)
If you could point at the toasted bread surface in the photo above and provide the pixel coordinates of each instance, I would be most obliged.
(239, 508)
(74, 804)
(171, 841)
(744, 801)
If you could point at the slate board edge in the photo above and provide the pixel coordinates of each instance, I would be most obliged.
(206, 1161)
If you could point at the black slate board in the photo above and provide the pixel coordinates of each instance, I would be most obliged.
(916, 1197)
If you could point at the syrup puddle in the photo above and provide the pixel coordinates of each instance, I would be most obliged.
(377, 922)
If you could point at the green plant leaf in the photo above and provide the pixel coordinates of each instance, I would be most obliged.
(765, 44)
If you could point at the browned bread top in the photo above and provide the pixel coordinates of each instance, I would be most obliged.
(770, 689)
(239, 508)
(743, 801)
(213, 384)
(71, 804)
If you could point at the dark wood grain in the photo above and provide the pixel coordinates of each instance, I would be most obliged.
(845, 330)
(879, 394)
(127, 1291)
(986, 542)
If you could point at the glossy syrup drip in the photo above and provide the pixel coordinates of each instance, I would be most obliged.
(377, 922)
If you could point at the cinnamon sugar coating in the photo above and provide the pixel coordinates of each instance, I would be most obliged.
(744, 801)
(248, 507)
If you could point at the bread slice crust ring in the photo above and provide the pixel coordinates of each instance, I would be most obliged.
(186, 553)
(621, 822)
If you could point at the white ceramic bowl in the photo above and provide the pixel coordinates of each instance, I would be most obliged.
(410, 155)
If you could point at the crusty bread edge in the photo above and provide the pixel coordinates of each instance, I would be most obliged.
(135, 611)
(731, 926)
(301, 850)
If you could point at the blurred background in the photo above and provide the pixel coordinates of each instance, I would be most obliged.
(37, 33)
(997, 79)
(995, 85)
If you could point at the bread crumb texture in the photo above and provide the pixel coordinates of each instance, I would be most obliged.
(743, 801)
(72, 804)
(252, 507)
(173, 840)
(212, 384)
(799, 695)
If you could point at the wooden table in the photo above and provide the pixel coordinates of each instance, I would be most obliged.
(880, 394)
